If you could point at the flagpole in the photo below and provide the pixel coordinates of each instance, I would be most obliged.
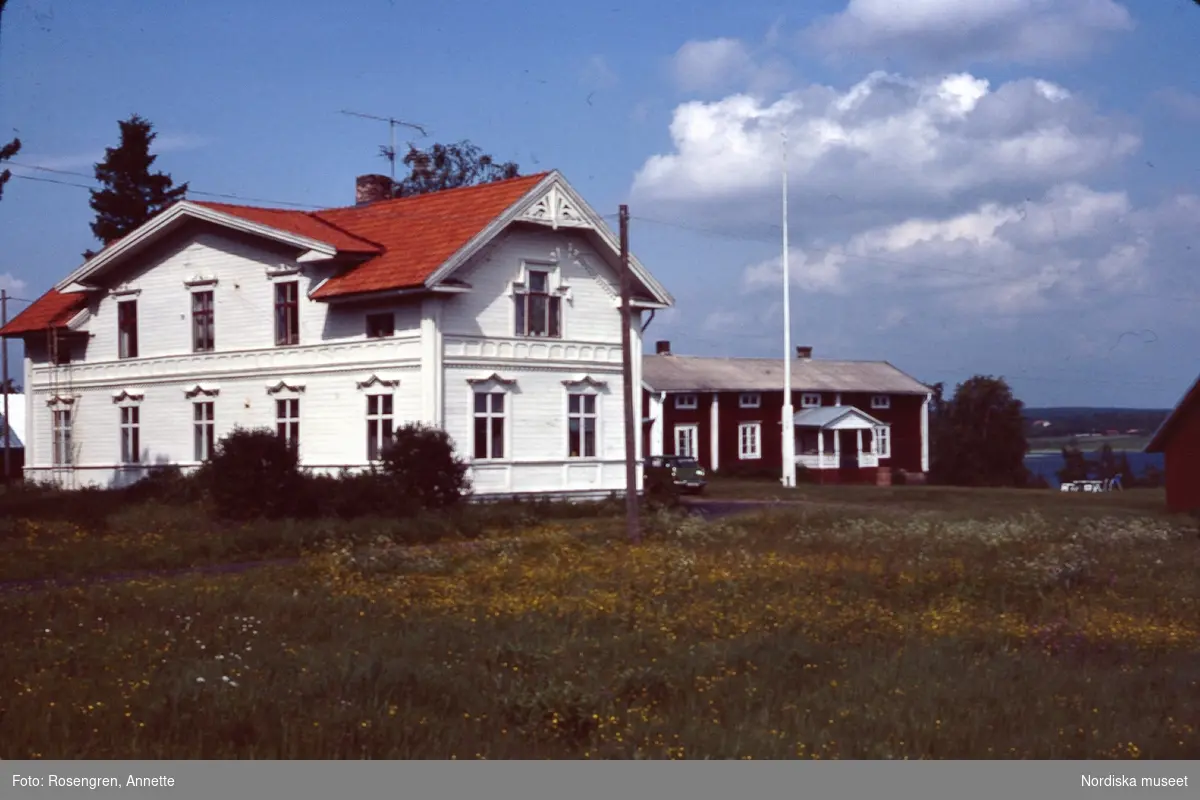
(788, 424)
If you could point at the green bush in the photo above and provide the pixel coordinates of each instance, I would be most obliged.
(421, 464)
(166, 484)
(253, 473)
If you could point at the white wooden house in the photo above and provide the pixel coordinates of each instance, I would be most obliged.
(491, 311)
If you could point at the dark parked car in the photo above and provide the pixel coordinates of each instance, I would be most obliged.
(681, 472)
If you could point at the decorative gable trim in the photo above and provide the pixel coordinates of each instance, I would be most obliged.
(555, 208)
(494, 379)
(79, 320)
(284, 387)
(585, 383)
(374, 380)
(282, 270)
(128, 395)
(205, 389)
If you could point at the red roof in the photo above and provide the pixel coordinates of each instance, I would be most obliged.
(406, 240)
(52, 310)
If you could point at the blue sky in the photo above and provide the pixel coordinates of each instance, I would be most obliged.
(1006, 188)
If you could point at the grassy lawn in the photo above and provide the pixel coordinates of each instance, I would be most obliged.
(968, 624)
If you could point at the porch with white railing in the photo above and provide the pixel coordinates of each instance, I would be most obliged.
(845, 438)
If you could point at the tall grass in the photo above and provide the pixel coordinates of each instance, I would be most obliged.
(809, 633)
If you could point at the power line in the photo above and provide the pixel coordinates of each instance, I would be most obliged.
(190, 190)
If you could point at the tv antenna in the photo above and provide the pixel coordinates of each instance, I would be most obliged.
(389, 151)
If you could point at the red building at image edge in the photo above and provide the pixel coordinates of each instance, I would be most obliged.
(854, 422)
(1178, 439)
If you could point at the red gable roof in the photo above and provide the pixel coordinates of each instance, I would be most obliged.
(52, 310)
(405, 241)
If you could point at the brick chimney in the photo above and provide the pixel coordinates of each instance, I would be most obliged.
(803, 352)
(662, 348)
(372, 189)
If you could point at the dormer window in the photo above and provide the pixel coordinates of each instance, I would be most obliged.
(539, 313)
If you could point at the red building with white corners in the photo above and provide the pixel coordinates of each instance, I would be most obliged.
(853, 419)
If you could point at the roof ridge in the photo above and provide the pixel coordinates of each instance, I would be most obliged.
(442, 192)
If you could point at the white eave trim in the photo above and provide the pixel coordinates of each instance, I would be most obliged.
(79, 320)
(517, 209)
(184, 208)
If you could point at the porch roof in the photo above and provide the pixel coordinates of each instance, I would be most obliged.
(846, 418)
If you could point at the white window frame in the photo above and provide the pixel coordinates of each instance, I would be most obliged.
(687, 402)
(287, 419)
(883, 441)
(130, 424)
(750, 400)
(381, 422)
(483, 407)
(197, 293)
(128, 345)
(695, 440)
(204, 429)
(749, 433)
(555, 290)
(810, 400)
(881, 401)
(582, 416)
(62, 440)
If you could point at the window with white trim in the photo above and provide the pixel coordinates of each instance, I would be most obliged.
(750, 440)
(538, 311)
(127, 329)
(687, 401)
(287, 420)
(287, 313)
(883, 441)
(64, 449)
(203, 429)
(203, 324)
(131, 435)
(750, 400)
(687, 440)
(380, 421)
(381, 325)
(489, 418)
(581, 425)
(881, 401)
(810, 400)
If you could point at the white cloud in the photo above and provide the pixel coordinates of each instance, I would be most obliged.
(84, 161)
(597, 74)
(886, 140)
(14, 285)
(995, 259)
(971, 31)
(726, 63)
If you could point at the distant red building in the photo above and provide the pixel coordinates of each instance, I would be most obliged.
(852, 418)
(1178, 439)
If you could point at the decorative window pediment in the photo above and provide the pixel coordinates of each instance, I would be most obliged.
(374, 381)
(61, 401)
(557, 284)
(492, 381)
(128, 396)
(282, 269)
(201, 389)
(125, 290)
(200, 282)
(285, 387)
(586, 383)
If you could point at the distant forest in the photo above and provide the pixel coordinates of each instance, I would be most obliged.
(1075, 421)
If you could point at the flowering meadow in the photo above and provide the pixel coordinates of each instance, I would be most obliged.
(795, 632)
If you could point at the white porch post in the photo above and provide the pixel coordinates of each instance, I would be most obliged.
(837, 399)
(858, 460)
(658, 405)
(925, 433)
(837, 448)
(714, 428)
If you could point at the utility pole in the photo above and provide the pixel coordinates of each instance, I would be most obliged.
(789, 423)
(4, 368)
(631, 427)
(389, 152)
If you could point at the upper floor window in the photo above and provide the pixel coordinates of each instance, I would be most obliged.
(750, 400)
(287, 312)
(539, 313)
(381, 326)
(203, 331)
(810, 400)
(881, 401)
(127, 329)
(686, 401)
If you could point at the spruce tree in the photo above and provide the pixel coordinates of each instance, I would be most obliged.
(132, 194)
